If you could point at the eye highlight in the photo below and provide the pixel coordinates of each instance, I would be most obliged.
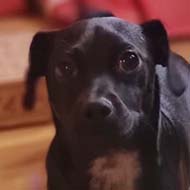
(128, 61)
(65, 70)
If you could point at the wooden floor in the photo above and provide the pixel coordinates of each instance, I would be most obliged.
(22, 157)
(24, 136)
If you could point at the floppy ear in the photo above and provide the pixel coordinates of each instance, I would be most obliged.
(39, 53)
(157, 41)
(178, 71)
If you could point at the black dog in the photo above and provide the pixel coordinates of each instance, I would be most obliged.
(120, 101)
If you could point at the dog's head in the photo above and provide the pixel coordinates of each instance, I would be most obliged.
(100, 75)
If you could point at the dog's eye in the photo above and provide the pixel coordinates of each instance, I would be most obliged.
(128, 61)
(65, 70)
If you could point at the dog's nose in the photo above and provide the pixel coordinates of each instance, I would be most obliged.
(99, 109)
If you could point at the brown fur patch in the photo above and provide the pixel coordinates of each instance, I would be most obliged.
(118, 170)
(184, 175)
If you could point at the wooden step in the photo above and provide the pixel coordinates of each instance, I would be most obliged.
(13, 114)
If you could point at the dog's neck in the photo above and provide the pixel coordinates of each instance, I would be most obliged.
(119, 169)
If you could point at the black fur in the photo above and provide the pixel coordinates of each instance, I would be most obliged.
(98, 108)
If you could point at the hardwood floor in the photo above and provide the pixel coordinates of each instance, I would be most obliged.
(24, 135)
(22, 157)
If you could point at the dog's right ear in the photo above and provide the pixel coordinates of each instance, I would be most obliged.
(39, 53)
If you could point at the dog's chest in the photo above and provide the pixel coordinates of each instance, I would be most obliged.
(116, 171)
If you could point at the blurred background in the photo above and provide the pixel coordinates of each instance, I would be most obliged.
(25, 135)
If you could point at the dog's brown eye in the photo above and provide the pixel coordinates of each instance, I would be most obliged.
(128, 61)
(65, 70)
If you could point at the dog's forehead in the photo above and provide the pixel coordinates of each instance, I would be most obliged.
(115, 27)
(103, 32)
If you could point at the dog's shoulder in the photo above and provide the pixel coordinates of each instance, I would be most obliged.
(175, 88)
(175, 111)
(178, 74)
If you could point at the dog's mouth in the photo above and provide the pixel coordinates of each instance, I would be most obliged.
(89, 139)
(95, 140)
(114, 131)
(98, 127)
(113, 125)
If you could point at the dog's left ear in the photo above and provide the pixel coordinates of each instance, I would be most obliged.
(178, 70)
(157, 41)
(39, 53)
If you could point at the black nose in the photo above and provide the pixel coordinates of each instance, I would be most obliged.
(98, 110)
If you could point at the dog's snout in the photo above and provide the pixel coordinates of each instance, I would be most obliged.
(98, 109)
